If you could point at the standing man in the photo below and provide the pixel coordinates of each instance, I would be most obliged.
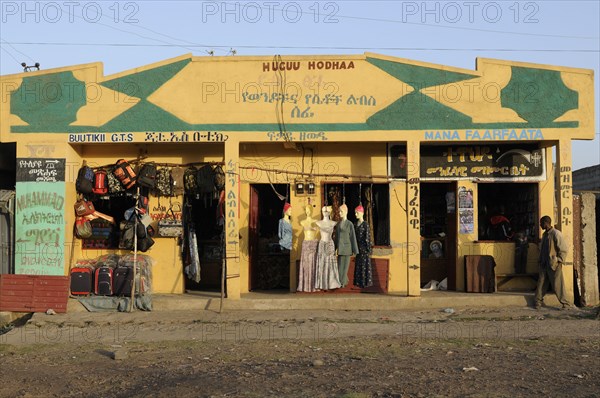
(553, 251)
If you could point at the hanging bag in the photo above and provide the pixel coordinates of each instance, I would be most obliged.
(85, 180)
(124, 173)
(147, 175)
(84, 208)
(170, 226)
(100, 183)
(164, 183)
(83, 228)
(177, 174)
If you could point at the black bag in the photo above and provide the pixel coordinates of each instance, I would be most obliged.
(127, 235)
(205, 180)
(85, 180)
(147, 175)
(164, 182)
(122, 281)
(219, 178)
(145, 243)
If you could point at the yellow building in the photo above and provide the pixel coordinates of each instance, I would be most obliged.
(432, 153)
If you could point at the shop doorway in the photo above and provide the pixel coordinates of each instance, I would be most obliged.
(438, 233)
(269, 262)
(208, 226)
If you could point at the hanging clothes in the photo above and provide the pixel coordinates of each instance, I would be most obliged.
(369, 214)
(363, 269)
(326, 274)
(285, 234)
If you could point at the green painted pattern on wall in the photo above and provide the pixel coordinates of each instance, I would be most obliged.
(419, 77)
(48, 100)
(416, 111)
(142, 84)
(528, 88)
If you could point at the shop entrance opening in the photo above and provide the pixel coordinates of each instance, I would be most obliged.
(269, 260)
(438, 233)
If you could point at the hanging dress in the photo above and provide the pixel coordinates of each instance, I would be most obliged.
(363, 269)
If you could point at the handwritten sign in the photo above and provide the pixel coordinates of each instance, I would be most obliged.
(40, 170)
(40, 228)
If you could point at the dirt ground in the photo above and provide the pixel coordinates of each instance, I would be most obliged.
(465, 353)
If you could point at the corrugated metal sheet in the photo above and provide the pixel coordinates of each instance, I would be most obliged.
(33, 293)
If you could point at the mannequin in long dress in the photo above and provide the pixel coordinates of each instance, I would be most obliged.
(326, 274)
(345, 241)
(285, 228)
(308, 257)
(363, 269)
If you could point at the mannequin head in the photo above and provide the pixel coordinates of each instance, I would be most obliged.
(343, 211)
(326, 211)
(308, 210)
(287, 209)
(359, 212)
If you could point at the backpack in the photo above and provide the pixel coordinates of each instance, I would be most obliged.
(85, 180)
(164, 184)
(205, 180)
(189, 181)
(83, 228)
(100, 183)
(177, 179)
(114, 186)
(147, 175)
(219, 178)
(124, 173)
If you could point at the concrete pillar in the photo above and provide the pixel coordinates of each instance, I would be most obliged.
(232, 211)
(565, 208)
(413, 198)
(589, 259)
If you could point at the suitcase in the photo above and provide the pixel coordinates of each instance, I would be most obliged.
(81, 281)
(104, 281)
(122, 281)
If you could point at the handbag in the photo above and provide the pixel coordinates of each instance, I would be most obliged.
(83, 228)
(84, 208)
(170, 226)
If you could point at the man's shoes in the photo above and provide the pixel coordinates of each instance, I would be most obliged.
(538, 306)
(567, 307)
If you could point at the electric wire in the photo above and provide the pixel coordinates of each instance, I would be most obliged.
(190, 47)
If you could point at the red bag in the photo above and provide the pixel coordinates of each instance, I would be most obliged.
(84, 208)
(100, 183)
(83, 228)
(124, 173)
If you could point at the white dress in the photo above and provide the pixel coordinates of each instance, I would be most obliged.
(327, 274)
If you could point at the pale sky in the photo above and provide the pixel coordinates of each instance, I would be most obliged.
(128, 34)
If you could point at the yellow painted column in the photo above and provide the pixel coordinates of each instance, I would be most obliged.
(413, 199)
(232, 222)
(565, 208)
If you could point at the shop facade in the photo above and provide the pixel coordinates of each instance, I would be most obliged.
(433, 153)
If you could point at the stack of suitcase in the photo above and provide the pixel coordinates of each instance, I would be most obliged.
(109, 275)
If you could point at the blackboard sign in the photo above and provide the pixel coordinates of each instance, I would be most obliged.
(494, 162)
(40, 170)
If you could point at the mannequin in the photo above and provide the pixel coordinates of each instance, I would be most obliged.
(285, 228)
(346, 244)
(363, 272)
(326, 274)
(308, 257)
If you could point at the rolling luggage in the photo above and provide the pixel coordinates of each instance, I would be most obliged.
(81, 281)
(104, 281)
(122, 281)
